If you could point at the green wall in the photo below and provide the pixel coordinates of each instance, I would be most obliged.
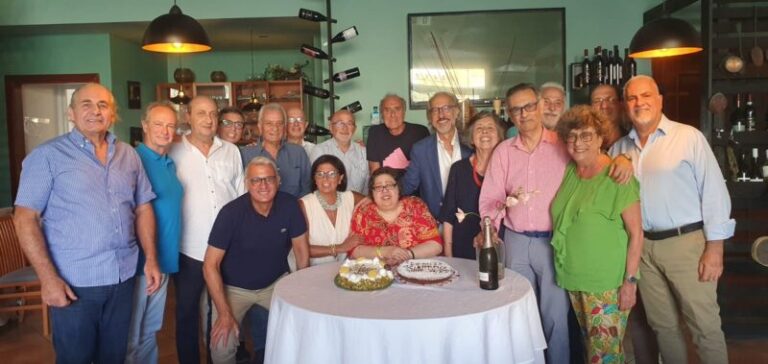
(129, 63)
(380, 51)
(52, 54)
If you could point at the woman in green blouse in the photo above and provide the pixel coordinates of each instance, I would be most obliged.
(597, 237)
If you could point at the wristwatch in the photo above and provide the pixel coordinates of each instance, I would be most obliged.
(626, 155)
(632, 279)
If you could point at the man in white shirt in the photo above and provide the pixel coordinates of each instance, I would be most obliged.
(350, 153)
(432, 157)
(211, 172)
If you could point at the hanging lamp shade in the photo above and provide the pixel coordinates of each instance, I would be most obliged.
(665, 37)
(175, 33)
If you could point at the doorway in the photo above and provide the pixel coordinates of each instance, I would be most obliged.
(36, 111)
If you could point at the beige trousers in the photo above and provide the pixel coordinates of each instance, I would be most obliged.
(240, 300)
(670, 281)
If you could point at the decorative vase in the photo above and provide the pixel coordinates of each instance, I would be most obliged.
(184, 75)
(218, 76)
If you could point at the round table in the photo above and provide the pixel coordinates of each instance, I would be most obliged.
(311, 320)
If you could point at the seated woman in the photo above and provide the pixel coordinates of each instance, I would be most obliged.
(597, 237)
(394, 228)
(464, 181)
(328, 211)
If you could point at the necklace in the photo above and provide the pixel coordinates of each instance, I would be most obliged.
(325, 205)
(475, 175)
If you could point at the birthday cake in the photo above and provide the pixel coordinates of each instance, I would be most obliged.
(363, 274)
(425, 271)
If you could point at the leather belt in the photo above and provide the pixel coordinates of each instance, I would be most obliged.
(535, 234)
(680, 230)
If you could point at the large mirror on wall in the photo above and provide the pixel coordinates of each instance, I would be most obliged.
(477, 55)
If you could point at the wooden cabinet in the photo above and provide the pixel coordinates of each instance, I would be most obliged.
(286, 93)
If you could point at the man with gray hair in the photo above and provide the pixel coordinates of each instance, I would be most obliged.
(159, 125)
(211, 172)
(247, 252)
(291, 159)
(433, 156)
(552, 103)
(350, 153)
(389, 144)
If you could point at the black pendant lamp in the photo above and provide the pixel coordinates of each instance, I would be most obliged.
(175, 33)
(665, 37)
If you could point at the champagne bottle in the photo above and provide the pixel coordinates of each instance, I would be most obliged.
(630, 66)
(353, 107)
(345, 35)
(597, 67)
(488, 259)
(317, 92)
(617, 65)
(756, 173)
(312, 15)
(314, 52)
(586, 69)
(345, 75)
(765, 166)
(750, 119)
(606, 69)
(737, 116)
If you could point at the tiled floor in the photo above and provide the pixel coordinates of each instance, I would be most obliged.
(24, 343)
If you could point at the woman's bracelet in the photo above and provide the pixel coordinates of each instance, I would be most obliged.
(378, 252)
(333, 249)
(413, 255)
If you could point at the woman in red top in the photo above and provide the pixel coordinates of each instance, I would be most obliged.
(394, 229)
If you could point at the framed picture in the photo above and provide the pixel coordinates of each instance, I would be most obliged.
(478, 55)
(134, 95)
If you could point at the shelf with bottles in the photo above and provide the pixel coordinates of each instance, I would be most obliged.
(287, 93)
(220, 92)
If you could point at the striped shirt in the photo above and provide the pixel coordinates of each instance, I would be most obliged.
(87, 208)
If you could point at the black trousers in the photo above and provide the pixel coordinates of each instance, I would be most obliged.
(189, 284)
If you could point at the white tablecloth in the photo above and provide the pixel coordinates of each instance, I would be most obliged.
(313, 321)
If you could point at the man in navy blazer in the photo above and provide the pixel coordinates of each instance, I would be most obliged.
(432, 157)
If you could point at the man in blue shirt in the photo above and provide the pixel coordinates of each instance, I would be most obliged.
(291, 159)
(686, 216)
(83, 200)
(247, 252)
(159, 124)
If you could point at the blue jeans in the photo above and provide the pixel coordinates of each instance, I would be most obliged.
(258, 318)
(146, 321)
(94, 328)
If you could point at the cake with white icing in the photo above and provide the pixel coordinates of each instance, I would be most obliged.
(425, 271)
(363, 274)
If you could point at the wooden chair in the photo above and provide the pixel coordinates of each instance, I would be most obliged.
(19, 285)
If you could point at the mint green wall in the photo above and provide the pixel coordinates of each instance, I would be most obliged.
(130, 63)
(53, 54)
(380, 51)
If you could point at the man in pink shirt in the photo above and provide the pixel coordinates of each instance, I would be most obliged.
(530, 166)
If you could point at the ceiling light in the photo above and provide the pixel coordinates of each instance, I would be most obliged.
(175, 33)
(665, 37)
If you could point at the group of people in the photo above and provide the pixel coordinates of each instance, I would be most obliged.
(600, 208)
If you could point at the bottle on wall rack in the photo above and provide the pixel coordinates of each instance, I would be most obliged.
(317, 92)
(597, 67)
(756, 173)
(764, 169)
(314, 52)
(630, 66)
(737, 116)
(606, 74)
(346, 75)
(345, 35)
(353, 107)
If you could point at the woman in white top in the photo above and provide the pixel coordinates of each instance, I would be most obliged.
(328, 211)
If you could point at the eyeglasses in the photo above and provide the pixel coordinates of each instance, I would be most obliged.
(600, 101)
(382, 188)
(340, 123)
(518, 110)
(295, 120)
(229, 123)
(584, 137)
(327, 175)
(441, 109)
(269, 180)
